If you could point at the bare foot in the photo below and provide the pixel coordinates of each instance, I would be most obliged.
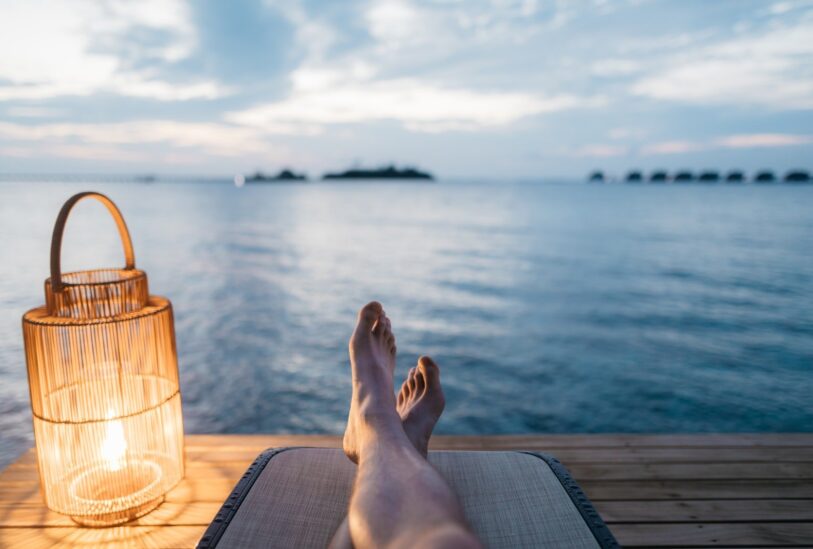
(421, 402)
(372, 361)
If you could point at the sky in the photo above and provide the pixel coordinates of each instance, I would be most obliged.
(463, 88)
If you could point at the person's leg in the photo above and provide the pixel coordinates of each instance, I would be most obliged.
(399, 500)
(420, 404)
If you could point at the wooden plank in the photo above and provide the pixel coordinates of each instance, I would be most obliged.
(169, 513)
(23, 477)
(768, 454)
(765, 510)
(165, 537)
(753, 534)
(514, 442)
(189, 489)
(767, 446)
(598, 490)
(690, 471)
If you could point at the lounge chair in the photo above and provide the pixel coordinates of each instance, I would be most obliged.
(297, 497)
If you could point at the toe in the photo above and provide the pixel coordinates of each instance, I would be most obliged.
(369, 314)
(381, 328)
(420, 382)
(430, 370)
(405, 389)
(411, 380)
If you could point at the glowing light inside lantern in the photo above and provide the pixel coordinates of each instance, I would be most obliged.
(114, 446)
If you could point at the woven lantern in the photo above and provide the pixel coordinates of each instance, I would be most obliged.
(103, 377)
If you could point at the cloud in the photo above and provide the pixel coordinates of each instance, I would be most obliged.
(211, 138)
(627, 133)
(771, 70)
(671, 147)
(599, 151)
(34, 112)
(749, 141)
(615, 67)
(55, 49)
(739, 141)
(325, 96)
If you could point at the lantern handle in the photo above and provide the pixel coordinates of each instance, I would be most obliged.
(59, 229)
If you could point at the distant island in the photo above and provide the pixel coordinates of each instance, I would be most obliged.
(283, 175)
(389, 172)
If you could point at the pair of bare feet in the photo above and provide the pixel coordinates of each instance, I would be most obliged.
(420, 401)
(399, 499)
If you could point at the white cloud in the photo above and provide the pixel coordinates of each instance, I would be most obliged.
(671, 147)
(771, 70)
(34, 112)
(739, 141)
(627, 133)
(211, 138)
(323, 96)
(615, 67)
(749, 141)
(46, 50)
(600, 151)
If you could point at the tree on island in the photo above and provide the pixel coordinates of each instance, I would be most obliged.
(634, 177)
(797, 176)
(388, 172)
(283, 175)
(735, 176)
(659, 176)
(709, 176)
(683, 176)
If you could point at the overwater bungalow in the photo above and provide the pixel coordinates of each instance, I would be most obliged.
(634, 177)
(659, 176)
(735, 176)
(797, 176)
(709, 176)
(765, 176)
(683, 176)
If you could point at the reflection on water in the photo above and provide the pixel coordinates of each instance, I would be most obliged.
(550, 308)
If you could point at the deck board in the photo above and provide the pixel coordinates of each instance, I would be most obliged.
(725, 490)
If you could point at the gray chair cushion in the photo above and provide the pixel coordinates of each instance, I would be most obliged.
(297, 497)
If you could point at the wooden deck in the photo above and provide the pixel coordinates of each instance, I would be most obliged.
(652, 490)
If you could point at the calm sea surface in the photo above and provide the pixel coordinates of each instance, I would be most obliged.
(550, 307)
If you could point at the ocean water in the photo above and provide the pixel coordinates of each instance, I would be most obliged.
(551, 307)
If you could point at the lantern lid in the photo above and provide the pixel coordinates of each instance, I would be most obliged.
(100, 293)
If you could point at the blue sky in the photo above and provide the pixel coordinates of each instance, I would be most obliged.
(462, 87)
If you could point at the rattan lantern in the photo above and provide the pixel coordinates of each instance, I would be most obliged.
(105, 396)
